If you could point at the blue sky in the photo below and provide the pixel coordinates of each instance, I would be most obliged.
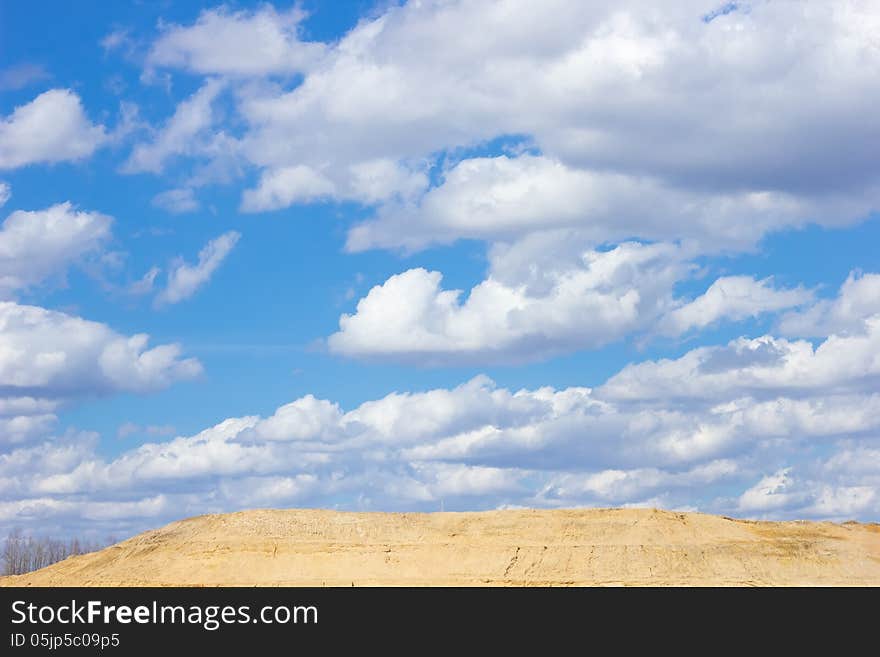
(286, 198)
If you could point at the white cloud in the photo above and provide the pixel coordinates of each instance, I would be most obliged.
(761, 366)
(768, 494)
(37, 245)
(185, 133)
(546, 294)
(302, 419)
(731, 297)
(51, 128)
(48, 359)
(581, 97)
(631, 484)
(5, 192)
(281, 187)
(184, 280)
(845, 501)
(177, 201)
(517, 313)
(368, 182)
(496, 198)
(384, 179)
(221, 42)
(55, 355)
(857, 300)
(23, 428)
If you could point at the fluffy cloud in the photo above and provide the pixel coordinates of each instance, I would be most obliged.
(731, 297)
(240, 43)
(496, 198)
(281, 187)
(543, 296)
(184, 280)
(588, 304)
(48, 359)
(58, 356)
(857, 300)
(185, 133)
(768, 494)
(367, 182)
(762, 366)
(37, 245)
(51, 128)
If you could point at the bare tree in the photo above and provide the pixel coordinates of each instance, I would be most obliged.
(23, 554)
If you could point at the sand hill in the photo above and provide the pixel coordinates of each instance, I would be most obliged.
(528, 547)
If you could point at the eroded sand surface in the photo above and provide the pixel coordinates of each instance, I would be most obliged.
(529, 547)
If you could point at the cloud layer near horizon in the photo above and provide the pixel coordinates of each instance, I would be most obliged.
(764, 427)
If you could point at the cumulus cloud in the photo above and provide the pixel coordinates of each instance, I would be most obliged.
(858, 299)
(242, 43)
(51, 128)
(16, 429)
(497, 198)
(762, 366)
(48, 359)
(731, 297)
(39, 244)
(281, 187)
(595, 299)
(55, 355)
(546, 294)
(367, 182)
(768, 494)
(184, 279)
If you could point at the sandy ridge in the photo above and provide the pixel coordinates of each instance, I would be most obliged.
(507, 548)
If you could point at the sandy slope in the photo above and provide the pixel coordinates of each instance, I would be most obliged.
(529, 547)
